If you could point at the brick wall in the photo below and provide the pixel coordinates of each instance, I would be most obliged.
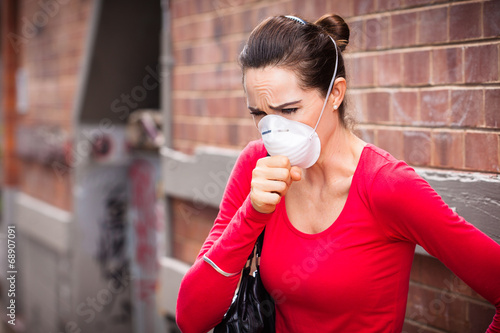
(424, 84)
(423, 75)
(49, 41)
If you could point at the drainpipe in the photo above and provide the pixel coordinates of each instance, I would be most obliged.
(166, 63)
(9, 62)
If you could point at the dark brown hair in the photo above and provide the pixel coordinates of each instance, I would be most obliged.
(305, 49)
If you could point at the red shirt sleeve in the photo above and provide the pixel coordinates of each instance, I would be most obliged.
(205, 294)
(410, 210)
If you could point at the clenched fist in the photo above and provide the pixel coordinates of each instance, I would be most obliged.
(271, 179)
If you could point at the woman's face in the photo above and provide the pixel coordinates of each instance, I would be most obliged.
(273, 90)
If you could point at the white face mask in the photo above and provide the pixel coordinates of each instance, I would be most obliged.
(295, 140)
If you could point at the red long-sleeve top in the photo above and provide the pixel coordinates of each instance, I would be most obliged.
(351, 277)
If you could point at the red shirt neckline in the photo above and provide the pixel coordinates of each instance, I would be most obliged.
(345, 209)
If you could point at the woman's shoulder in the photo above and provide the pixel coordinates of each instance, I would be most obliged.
(385, 173)
(375, 159)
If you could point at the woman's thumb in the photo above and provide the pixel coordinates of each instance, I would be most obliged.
(296, 173)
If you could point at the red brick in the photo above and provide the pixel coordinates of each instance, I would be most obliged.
(411, 327)
(437, 309)
(434, 107)
(465, 21)
(404, 29)
(365, 134)
(362, 71)
(467, 109)
(186, 250)
(310, 10)
(433, 26)
(183, 56)
(447, 65)
(341, 7)
(247, 132)
(379, 106)
(208, 53)
(202, 132)
(274, 9)
(448, 149)
(391, 141)
(492, 107)
(491, 22)
(480, 315)
(192, 221)
(240, 106)
(221, 134)
(204, 28)
(405, 107)
(180, 81)
(377, 33)
(181, 32)
(416, 68)
(180, 106)
(357, 100)
(387, 5)
(217, 107)
(435, 274)
(176, 130)
(417, 147)
(481, 63)
(179, 9)
(233, 137)
(218, 79)
(362, 7)
(187, 131)
(200, 107)
(233, 22)
(389, 69)
(481, 152)
(357, 35)
(417, 3)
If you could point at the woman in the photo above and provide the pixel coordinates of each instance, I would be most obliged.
(342, 217)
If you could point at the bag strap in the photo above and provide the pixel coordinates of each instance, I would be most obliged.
(260, 243)
(257, 249)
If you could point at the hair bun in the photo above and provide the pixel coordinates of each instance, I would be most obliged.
(336, 27)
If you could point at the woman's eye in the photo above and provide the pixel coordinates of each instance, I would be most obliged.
(289, 111)
(258, 113)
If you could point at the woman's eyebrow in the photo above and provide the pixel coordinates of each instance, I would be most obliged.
(277, 108)
(284, 105)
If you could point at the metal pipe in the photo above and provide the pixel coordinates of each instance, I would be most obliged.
(166, 64)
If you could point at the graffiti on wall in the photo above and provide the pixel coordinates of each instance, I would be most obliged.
(146, 214)
(112, 254)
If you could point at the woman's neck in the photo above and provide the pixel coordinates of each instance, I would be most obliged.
(338, 160)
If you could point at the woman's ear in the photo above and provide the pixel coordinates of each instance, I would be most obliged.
(338, 92)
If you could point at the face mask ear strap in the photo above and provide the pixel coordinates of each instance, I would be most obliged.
(330, 87)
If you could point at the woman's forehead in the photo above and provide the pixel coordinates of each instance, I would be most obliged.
(271, 81)
(275, 85)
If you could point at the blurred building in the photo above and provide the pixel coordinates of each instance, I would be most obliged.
(121, 121)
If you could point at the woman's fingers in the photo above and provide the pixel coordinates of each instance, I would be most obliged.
(271, 179)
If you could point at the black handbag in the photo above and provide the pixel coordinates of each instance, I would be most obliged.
(252, 309)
